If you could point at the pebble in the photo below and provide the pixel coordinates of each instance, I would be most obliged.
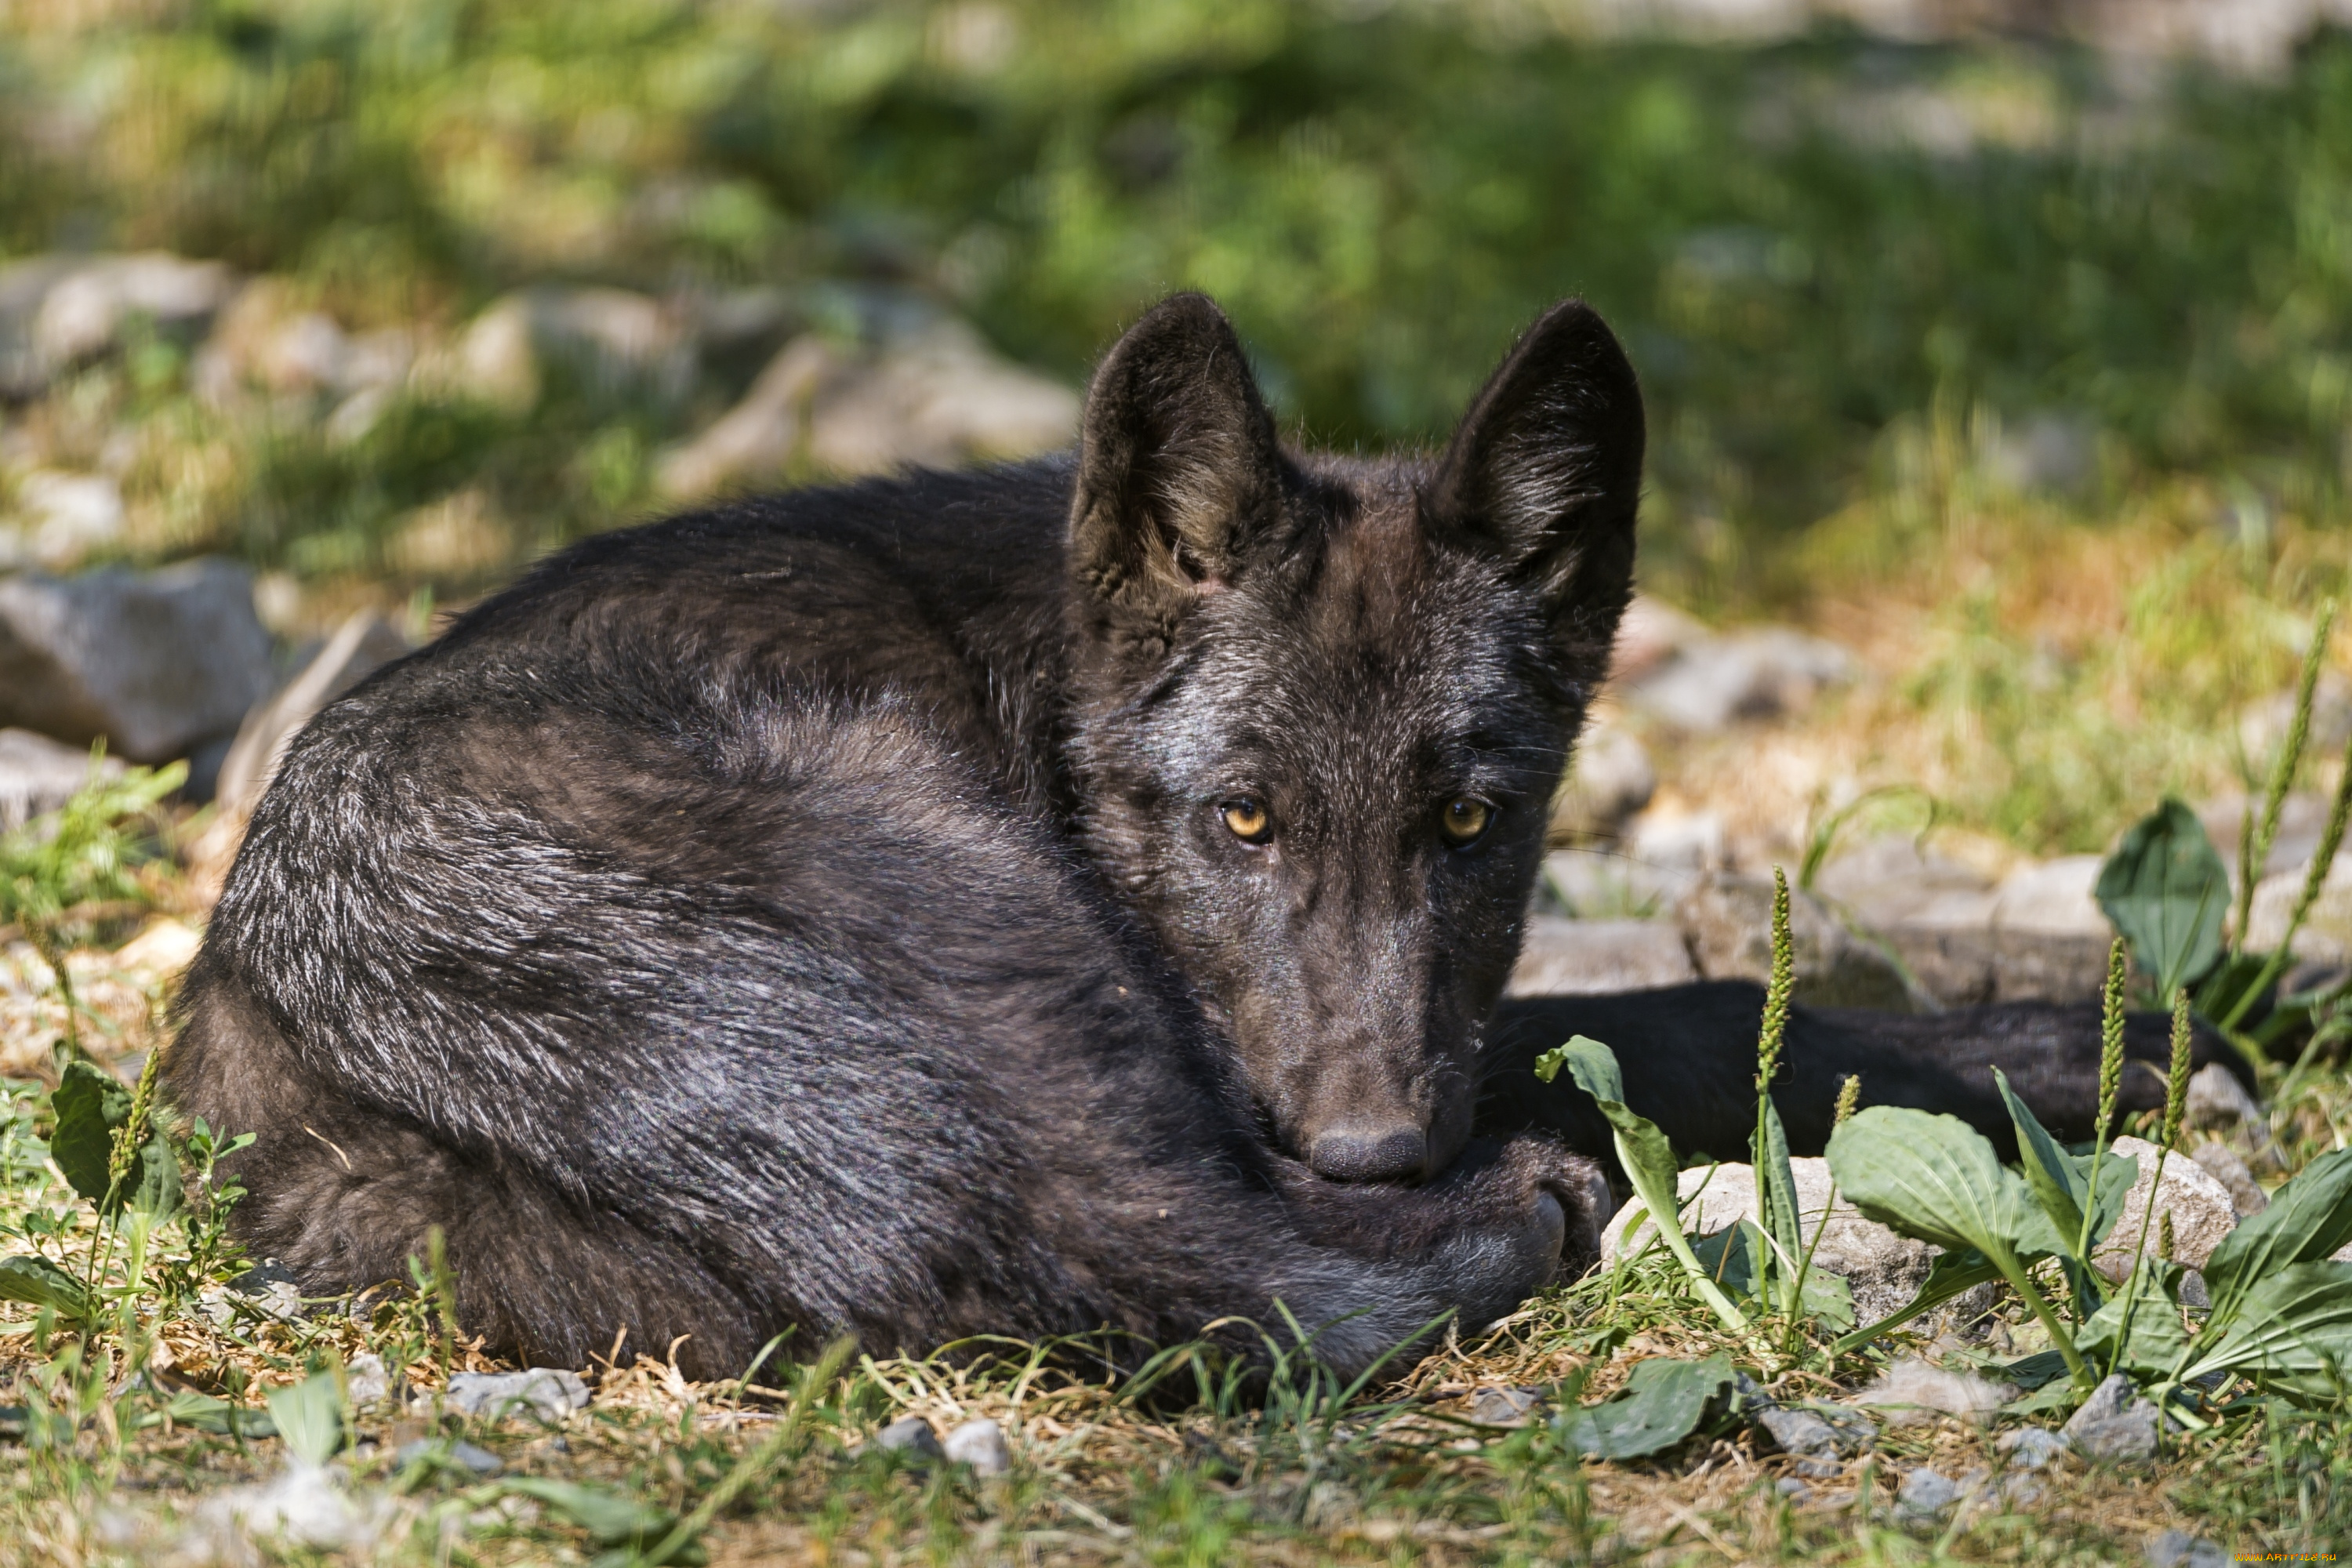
(2179, 1549)
(2033, 1447)
(912, 1436)
(1504, 1407)
(548, 1393)
(979, 1443)
(2115, 1426)
(481, 1461)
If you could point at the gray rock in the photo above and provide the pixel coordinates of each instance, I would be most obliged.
(2179, 1549)
(38, 775)
(1728, 920)
(1649, 633)
(924, 389)
(1609, 779)
(548, 1393)
(1606, 885)
(1760, 673)
(2199, 1207)
(465, 1455)
(1884, 882)
(2033, 1447)
(2221, 1162)
(1582, 958)
(1800, 1432)
(912, 1436)
(979, 1443)
(1926, 1494)
(155, 662)
(1795, 1490)
(2115, 1426)
(56, 311)
(367, 1380)
(2218, 1102)
(273, 1288)
(2048, 451)
(2050, 936)
(1504, 1407)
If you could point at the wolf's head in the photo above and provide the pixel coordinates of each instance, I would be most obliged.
(1322, 704)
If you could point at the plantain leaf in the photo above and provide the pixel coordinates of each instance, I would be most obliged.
(203, 1412)
(41, 1283)
(610, 1518)
(1936, 1178)
(2166, 890)
(1662, 1404)
(2294, 1330)
(1776, 1187)
(2152, 1340)
(2308, 1218)
(1648, 1158)
(90, 1107)
(310, 1416)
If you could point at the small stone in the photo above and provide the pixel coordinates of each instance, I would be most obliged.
(367, 1380)
(272, 1288)
(2179, 1549)
(1816, 1468)
(2221, 1162)
(1610, 778)
(1800, 1431)
(2218, 1102)
(1504, 1407)
(2022, 1491)
(1729, 921)
(979, 1443)
(912, 1436)
(1760, 673)
(2033, 1447)
(72, 515)
(1594, 885)
(1583, 957)
(2115, 1426)
(1911, 1390)
(551, 1394)
(481, 1461)
(154, 662)
(1926, 1494)
(1795, 1490)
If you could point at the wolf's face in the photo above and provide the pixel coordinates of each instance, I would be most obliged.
(1322, 706)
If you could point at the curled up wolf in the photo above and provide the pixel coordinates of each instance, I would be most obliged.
(1069, 894)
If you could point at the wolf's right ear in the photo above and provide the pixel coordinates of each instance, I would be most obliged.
(1545, 471)
(1178, 463)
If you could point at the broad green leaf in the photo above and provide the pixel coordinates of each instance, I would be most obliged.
(1936, 1178)
(2058, 1184)
(1592, 1065)
(90, 1106)
(41, 1283)
(1828, 1300)
(2308, 1219)
(2293, 1329)
(612, 1520)
(1732, 1258)
(1662, 1404)
(2167, 891)
(2153, 1339)
(2035, 1371)
(310, 1416)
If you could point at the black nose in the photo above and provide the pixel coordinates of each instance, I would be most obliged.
(1368, 1151)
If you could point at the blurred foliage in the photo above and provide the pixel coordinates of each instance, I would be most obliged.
(1803, 244)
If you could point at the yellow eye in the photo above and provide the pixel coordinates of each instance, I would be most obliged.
(1248, 820)
(1464, 819)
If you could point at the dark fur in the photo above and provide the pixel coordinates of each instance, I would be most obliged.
(818, 912)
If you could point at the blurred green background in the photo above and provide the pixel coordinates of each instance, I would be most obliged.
(2021, 366)
(2140, 267)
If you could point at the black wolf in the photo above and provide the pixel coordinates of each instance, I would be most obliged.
(1065, 896)
(1016, 903)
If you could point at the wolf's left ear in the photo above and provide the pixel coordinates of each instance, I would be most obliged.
(1546, 471)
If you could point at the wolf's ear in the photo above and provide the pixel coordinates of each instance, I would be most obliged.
(1546, 471)
(1178, 464)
